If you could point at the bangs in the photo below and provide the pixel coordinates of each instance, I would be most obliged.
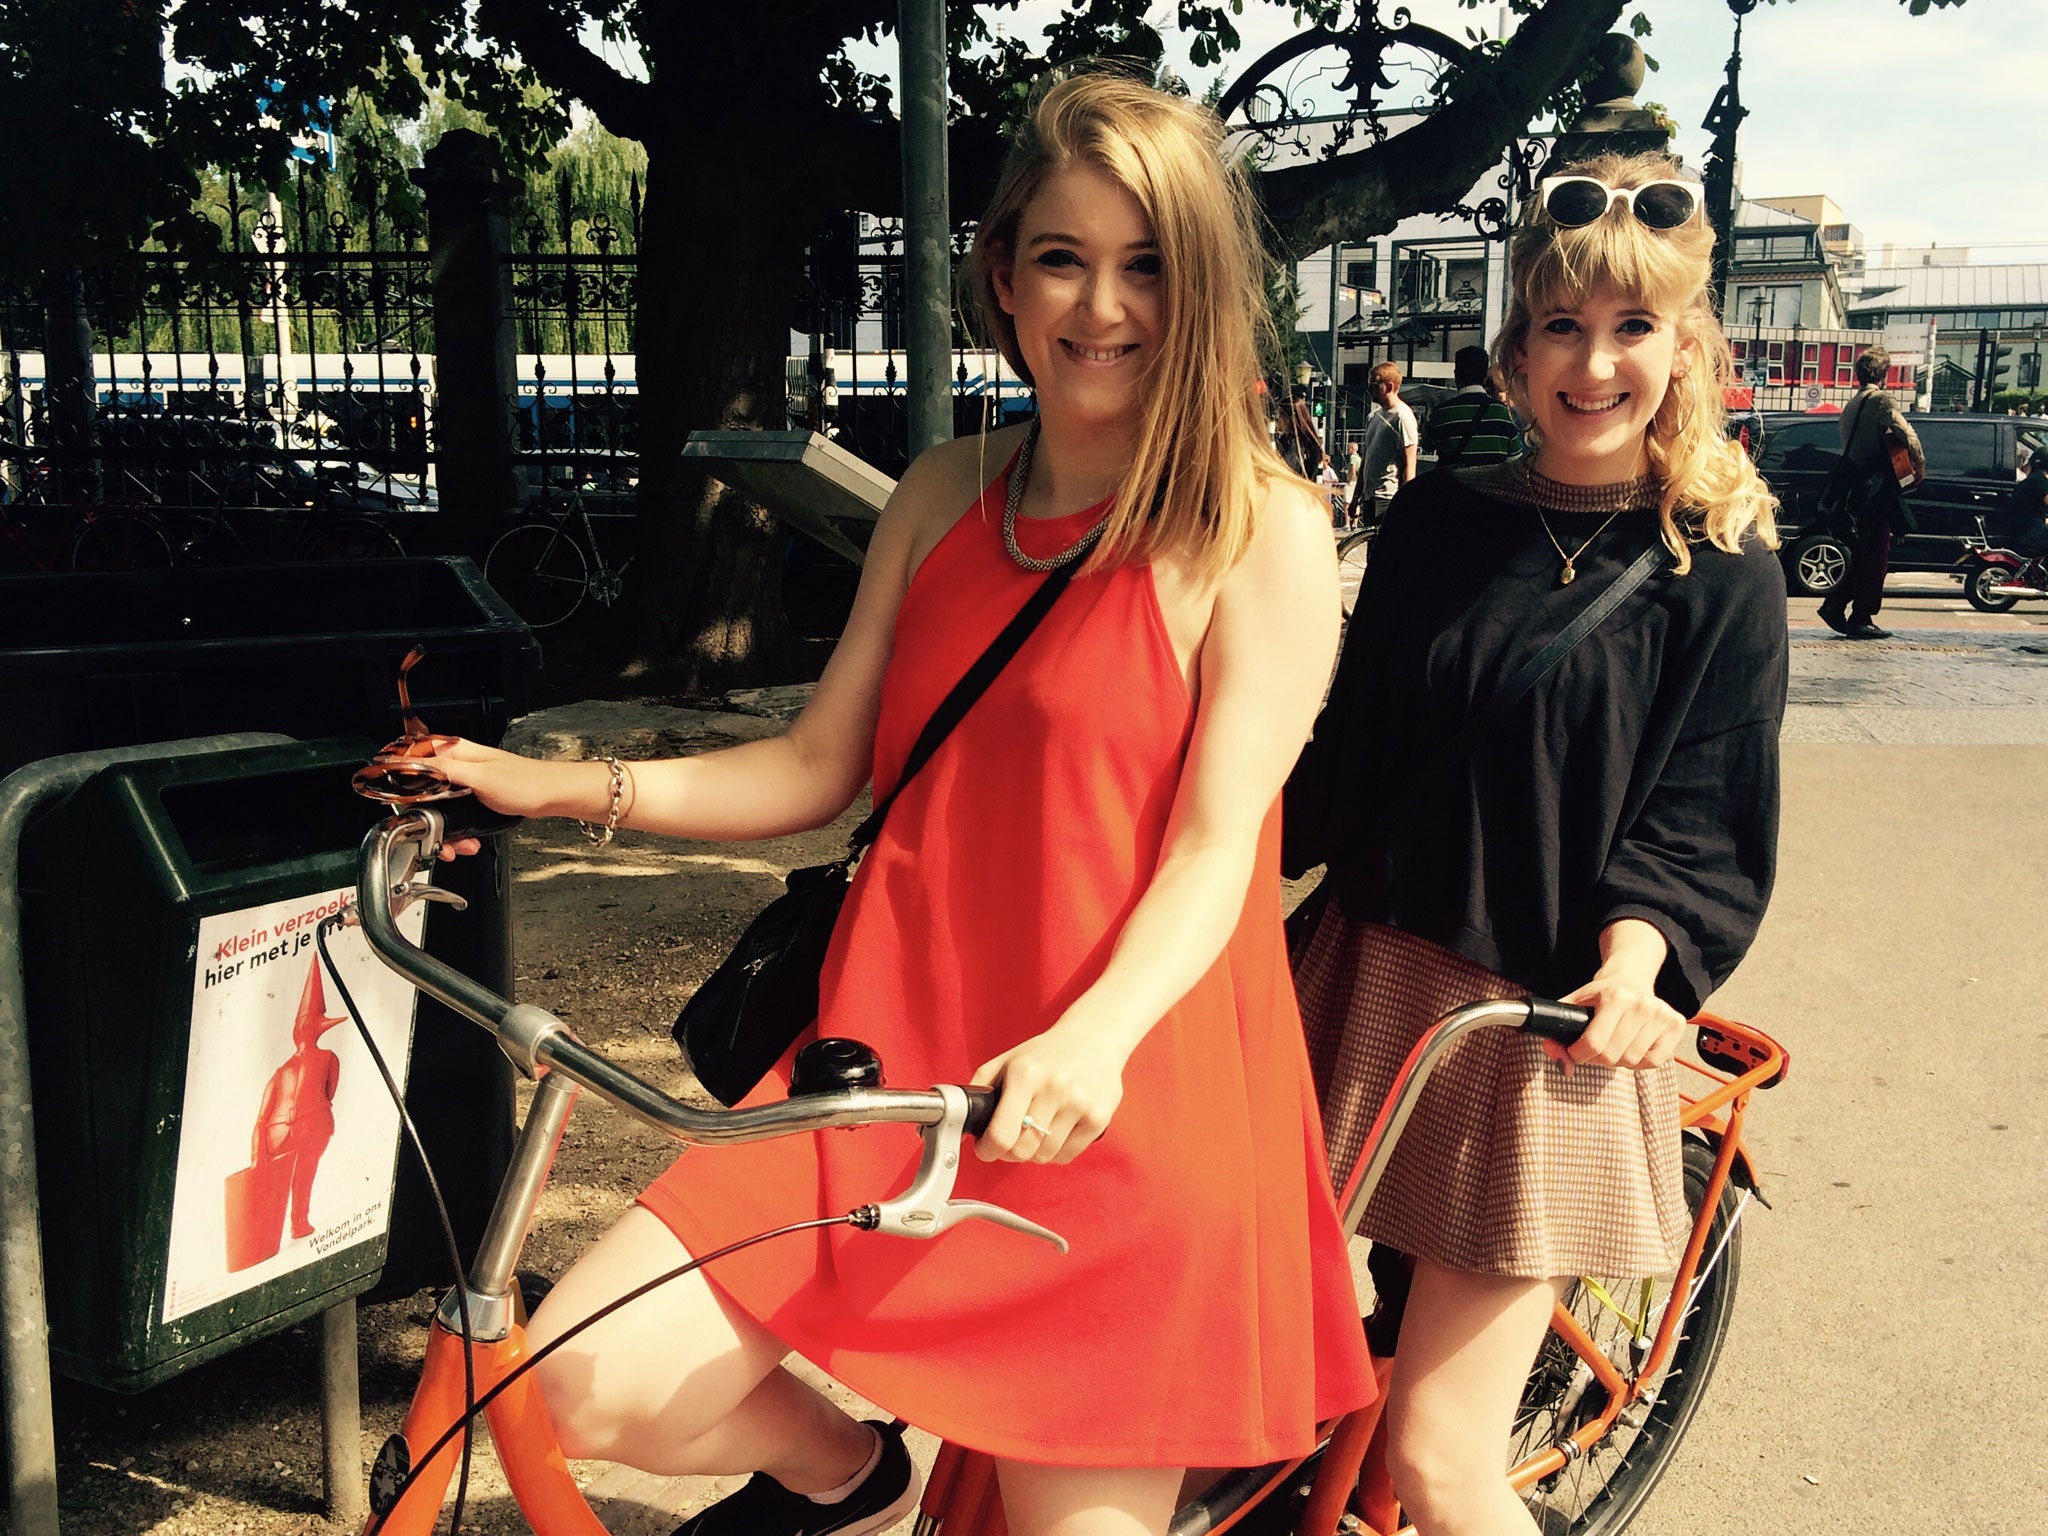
(1658, 269)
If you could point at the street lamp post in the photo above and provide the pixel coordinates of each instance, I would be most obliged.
(1723, 118)
(1759, 370)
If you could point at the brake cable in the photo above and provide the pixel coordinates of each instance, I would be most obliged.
(472, 1404)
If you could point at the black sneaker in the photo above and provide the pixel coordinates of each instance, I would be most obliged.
(1838, 622)
(765, 1508)
(1868, 632)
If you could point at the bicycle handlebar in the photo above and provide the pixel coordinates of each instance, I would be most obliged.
(387, 864)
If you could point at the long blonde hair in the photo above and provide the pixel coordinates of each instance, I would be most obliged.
(1202, 449)
(1710, 490)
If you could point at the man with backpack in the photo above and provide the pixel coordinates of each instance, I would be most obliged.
(1471, 426)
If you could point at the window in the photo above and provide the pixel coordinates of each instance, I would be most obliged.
(1845, 365)
(1811, 353)
(1808, 374)
(1961, 450)
(1359, 274)
(1738, 350)
(1777, 305)
(1801, 445)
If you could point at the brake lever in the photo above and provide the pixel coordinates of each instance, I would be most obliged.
(927, 1207)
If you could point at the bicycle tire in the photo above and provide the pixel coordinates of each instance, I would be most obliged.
(354, 538)
(539, 570)
(1352, 552)
(119, 539)
(1599, 1493)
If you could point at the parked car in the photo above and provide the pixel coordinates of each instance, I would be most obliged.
(1972, 464)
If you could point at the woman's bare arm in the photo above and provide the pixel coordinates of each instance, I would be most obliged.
(788, 783)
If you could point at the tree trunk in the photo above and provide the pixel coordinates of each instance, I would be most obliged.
(721, 255)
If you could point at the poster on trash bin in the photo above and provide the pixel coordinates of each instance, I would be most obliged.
(289, 1137)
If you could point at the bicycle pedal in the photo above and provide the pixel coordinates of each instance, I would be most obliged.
(388, 1474)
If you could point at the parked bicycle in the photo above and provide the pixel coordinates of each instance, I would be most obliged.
(40, 530)
(541, 570)
(1354, 547)
(209, 536)
(1618, 1380)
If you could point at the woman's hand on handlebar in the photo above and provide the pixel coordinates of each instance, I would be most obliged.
(1632, 1027)
(502, 781)
(1068, 1082)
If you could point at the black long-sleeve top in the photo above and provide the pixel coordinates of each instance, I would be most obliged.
(1639, 779)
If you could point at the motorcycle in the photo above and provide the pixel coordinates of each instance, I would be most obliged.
(1995, 579)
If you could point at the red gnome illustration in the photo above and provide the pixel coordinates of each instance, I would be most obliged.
(293, 1126)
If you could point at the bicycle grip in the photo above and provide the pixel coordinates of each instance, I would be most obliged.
(467, 816)
(1555, 1021)
(981, 1108)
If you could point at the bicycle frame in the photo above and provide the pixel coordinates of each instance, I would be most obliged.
(1348, 1485)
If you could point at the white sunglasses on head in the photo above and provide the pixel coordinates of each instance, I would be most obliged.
(1572, 202)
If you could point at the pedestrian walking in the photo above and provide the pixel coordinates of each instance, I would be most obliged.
(1388, 451)
(1862, 499)
(1076, 898)
(1471, 427)
(1502, 817)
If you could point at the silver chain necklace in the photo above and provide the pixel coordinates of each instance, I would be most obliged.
(1019, 473)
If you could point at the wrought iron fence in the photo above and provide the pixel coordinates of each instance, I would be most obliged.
(288, 372)
(292, 372)
(574, 278)
(852, 382)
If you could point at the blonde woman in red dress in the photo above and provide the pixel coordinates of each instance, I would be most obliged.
(1077, 900)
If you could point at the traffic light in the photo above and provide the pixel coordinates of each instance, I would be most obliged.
(2000, 366)
(1317, 407)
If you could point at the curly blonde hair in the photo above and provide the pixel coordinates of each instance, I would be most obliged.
(1202, 452)
(1710, 490)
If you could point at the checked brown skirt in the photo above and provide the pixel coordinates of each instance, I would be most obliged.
(1507, 1167)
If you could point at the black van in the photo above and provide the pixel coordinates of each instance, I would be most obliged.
(1972, 464)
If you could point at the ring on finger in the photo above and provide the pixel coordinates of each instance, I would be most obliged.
(1030, 1124)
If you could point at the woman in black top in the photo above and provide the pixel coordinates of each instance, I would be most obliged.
(1610, 840)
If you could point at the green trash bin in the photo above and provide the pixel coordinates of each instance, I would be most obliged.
(216, 1147)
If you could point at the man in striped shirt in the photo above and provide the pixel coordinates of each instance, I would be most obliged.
(1471, 427)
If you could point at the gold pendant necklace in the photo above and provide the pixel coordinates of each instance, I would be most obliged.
(1570, 572)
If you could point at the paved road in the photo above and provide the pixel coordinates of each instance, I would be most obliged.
(1884, 1370)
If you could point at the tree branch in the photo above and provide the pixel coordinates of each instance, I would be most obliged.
(1433, 165)
(548, 45)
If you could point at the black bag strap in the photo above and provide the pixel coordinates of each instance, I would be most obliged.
(1537, 667)
(1471, 431)
(970, 688)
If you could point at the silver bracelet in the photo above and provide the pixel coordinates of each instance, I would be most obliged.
(599, 836)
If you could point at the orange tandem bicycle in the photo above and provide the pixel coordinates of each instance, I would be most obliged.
(1618, 1379)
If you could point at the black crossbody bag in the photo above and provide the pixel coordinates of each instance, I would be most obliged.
(765, 993)
(1301, 922)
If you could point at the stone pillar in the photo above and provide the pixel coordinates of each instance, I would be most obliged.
(476, 381)
(1611, 123)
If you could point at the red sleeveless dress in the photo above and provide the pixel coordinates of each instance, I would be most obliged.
(1205, 1315)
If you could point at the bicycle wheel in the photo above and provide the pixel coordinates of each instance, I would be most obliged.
(119, 539)
(1599, 1493)
(354, 538)
(538, 569)
(1352, 551)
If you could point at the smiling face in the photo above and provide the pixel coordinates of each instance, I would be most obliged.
(1596, 371)
(1084, 289)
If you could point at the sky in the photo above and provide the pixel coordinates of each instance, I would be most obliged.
(1923, 129)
